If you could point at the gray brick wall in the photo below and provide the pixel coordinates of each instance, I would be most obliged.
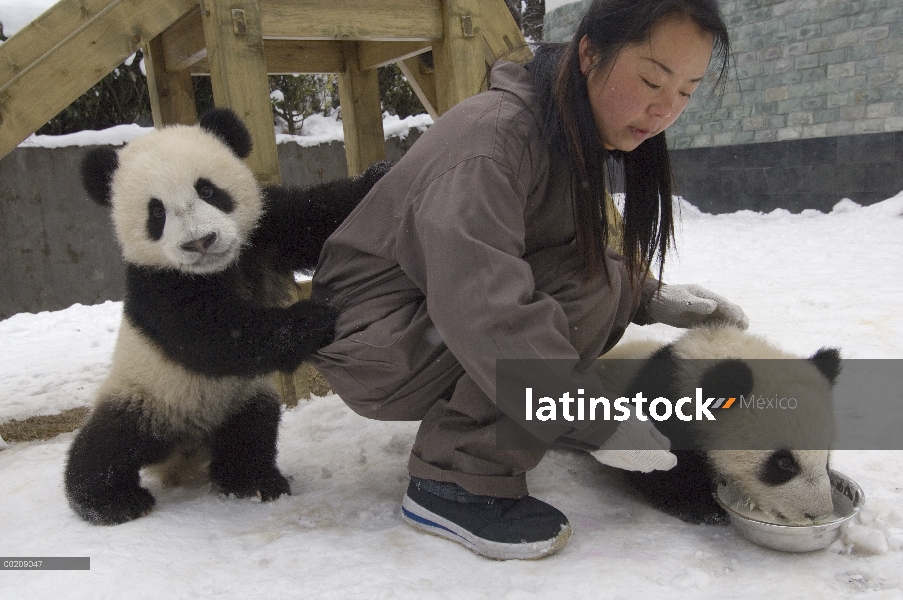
(801, 69)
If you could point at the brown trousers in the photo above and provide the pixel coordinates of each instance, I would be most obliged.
(389, 363)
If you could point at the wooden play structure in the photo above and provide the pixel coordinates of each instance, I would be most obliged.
(238, 43)
(75, 43)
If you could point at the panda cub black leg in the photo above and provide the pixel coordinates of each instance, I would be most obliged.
(102, 478)
(684, 491)
(243, 451)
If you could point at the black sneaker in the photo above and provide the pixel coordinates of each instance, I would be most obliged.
(500, 528)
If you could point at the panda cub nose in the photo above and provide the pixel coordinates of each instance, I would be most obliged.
(200, 245)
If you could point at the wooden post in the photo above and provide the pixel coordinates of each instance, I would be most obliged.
(459, 58)
(238, 76)
(503, 40)
(171, 92)
(362, 118)
(423, 84)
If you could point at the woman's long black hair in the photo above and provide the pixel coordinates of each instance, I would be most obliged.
(571, 129)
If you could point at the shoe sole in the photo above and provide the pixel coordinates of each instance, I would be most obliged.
(425, 520)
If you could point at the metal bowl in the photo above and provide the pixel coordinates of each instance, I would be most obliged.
(848, 499)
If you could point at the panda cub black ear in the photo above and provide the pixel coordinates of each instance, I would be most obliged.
(98, 167)
(827, 360)
(730, 377)
(225, 124)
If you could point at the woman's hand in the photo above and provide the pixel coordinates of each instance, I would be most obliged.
(636, 446)
(692, 305)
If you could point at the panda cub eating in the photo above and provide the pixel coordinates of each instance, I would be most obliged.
(775, 459)
(207, 316)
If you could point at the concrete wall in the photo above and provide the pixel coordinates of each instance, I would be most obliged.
(795, 175)
(57, 247)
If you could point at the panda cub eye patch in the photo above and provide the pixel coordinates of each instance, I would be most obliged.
(214, 196)
(780, 468)
(156, 219)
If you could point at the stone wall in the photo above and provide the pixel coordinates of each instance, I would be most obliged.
(803, 69)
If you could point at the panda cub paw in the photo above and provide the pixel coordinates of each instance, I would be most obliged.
(267, 486)
(703, 515)
(274, 486)
(310, 326)
(374, 173)
(116, 507)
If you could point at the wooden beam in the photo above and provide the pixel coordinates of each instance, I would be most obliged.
(459, 58)
(503, 39)
(375, 20)
(379, 54)
(171, 92)
(303, 56)
(362, 119)
(423, 83)
(239, 78)
(183, 43)
(284, 58)
(50, 29)
(88, 51)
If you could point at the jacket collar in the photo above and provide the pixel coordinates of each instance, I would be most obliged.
(511, 77)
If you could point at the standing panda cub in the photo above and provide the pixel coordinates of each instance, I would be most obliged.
(776, 459)
(207, 315)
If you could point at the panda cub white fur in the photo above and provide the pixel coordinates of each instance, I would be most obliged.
(778, 459)
(207, 313)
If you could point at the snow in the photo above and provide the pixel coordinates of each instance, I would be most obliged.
(318, 129)
(16, 14)
(805, 280)
(322, 129)
(556, 4)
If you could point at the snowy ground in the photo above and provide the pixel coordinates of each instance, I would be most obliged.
(804, 280)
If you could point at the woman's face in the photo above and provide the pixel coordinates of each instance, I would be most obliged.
(648, 84)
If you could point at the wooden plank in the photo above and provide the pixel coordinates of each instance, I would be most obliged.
(171, 92)
(423, 83)
(362, 119)
(296, 385)
(50, 29)
(201, 67)
(239, 78)
(379, 54)
(286, 57)
(183, 43)
(303, 56)
(71, 67)
(459, 59)
(375, 20)
(502, 38)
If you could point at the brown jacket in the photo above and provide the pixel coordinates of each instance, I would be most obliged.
(470, 235)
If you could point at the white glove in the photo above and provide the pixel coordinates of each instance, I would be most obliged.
(636, 446)
(692, 305)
